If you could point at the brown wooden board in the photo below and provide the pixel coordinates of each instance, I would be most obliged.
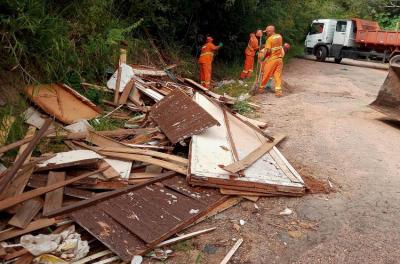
(152, 211)
(53, 200)
(108, 231)
(62, 102)
(179, 117)
(26, 212)
(144, 217)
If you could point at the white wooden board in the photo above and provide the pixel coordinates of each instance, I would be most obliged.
(207, 153)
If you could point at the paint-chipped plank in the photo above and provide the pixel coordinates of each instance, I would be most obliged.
(179, 117)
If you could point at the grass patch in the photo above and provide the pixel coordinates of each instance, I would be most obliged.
(183, 246)
(103, 124)
(242, 107)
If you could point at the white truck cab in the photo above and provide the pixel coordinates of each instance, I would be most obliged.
(329, 37)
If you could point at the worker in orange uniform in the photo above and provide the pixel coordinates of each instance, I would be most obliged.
(205, 61)
(250, 52)
(273, 50)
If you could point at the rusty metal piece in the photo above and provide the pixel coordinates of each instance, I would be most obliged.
(179, 117)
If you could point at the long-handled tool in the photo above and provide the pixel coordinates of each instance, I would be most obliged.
(258, 72)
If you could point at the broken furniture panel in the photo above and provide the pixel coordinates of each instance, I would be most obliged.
(179, 117)
(62, 102)
(212, 150)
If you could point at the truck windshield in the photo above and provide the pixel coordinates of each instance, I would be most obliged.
(316, 28)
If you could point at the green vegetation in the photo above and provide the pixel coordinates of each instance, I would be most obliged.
(71, 41)
(105, 123)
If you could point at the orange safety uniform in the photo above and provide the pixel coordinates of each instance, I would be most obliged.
(205, 63)
(273, 64)
(249, 53)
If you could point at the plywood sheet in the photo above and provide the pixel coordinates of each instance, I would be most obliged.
(62, 102)
(212, 148)
(179, 117)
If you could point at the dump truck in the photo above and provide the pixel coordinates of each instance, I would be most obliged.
(353, 38)
(360, 39)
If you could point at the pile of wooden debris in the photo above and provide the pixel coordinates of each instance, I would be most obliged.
(181, 155)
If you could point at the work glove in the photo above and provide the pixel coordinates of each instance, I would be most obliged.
(221, 44)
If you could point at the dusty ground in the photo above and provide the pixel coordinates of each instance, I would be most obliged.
(331, 134)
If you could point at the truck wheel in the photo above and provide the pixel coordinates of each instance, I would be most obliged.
(338, 60)
(321, 54)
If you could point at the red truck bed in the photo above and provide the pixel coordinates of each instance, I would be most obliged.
(369, 33)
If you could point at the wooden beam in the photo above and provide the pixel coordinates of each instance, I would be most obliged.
(30, 133)
(6, 203)
(26, 212)
(33, 226)
(253, 156)
(53, 200)
(6, 179)
(161, 155)
(105, 196)
(117, 85)
(165, 164)
(232, 251)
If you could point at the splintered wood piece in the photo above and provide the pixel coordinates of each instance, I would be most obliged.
(110, 172)
(184, 237)
(53, 200)
(127, 90)
(6, 179)
(33, 226)
(3, 252)
(6, 203)
(102, 141)
(26, 212)
(232, 251)
(19, 182)
(253, 156)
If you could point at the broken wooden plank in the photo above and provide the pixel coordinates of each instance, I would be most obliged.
(167, 165)
(62, 102)
(185, 237)
(104, 196)
(232, 251)
(70, 159)
(16, 254)
(127, 90)
(179, 117)
(26, 212)
(33, 226)
(103, 141)
(6, 203)
(18, 184)
(230, 202)
(3, 252)
(6, 179)
(78, 193)
(53, 200)
(157, 154)
(253, 156)
(30, 133)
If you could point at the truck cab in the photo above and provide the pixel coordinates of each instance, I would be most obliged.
(327, 38)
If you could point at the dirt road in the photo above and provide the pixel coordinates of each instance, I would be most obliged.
(331, 134)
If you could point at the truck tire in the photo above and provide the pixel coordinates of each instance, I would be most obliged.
(321, 53)
(338, 60)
